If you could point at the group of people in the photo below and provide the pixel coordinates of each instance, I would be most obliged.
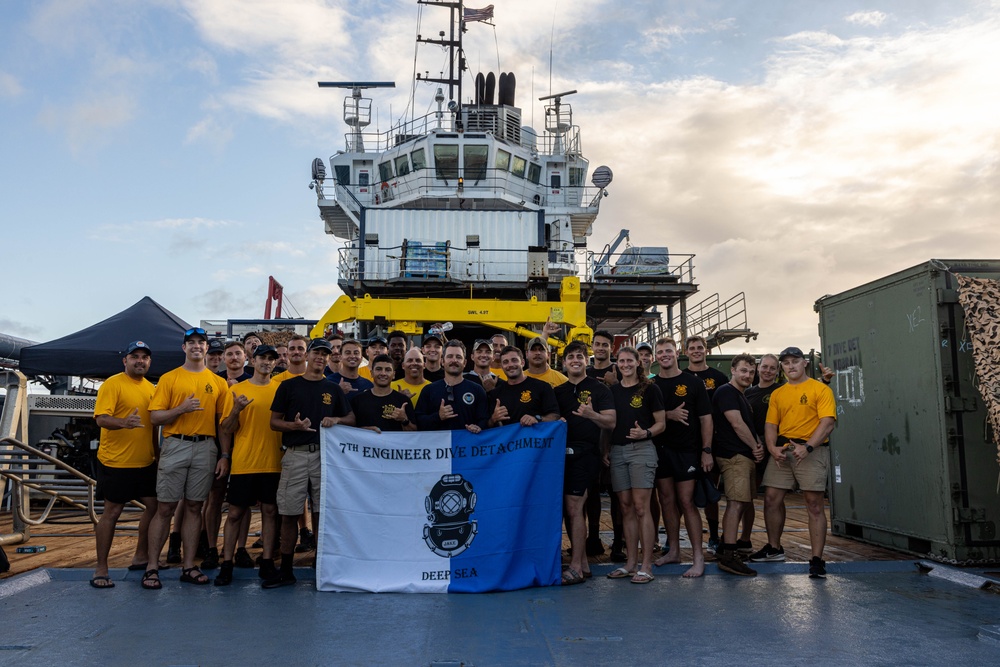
(241, 421)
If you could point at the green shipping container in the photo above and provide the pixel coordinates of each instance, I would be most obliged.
(914, 461)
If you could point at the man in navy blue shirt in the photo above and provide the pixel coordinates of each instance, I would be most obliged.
(454, 402)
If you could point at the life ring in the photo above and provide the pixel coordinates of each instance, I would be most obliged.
(385, 191)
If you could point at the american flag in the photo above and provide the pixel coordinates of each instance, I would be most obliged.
(471, 15)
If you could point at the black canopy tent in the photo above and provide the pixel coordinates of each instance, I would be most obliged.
(97, 350)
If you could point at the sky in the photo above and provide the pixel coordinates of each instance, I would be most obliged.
(797, 148)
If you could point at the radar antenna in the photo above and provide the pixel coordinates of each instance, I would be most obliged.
(558, 118)
(357, 109)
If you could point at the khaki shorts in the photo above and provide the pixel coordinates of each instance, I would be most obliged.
(186, 470)
(739, 478)
(633, 466)
(300, 479)
(811, 472)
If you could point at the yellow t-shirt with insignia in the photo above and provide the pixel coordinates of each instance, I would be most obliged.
(365, 372)
(256, 448)
(414, 389)
(797, 408)
(126, 447)
(211, 390)
(552, 376)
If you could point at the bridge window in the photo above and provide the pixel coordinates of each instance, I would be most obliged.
(418, 159)
(503, 160)
(518, 166)
(446, 162)
(576, 175)
(385, 171)
(534, 172)
(402, 165)
(475, 162)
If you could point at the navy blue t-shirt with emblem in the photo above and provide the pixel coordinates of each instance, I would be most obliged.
(634, 404)
(688, 389)
(467, 399)
(372, 410)
(582, 433)
(312, 399)
(528, 397)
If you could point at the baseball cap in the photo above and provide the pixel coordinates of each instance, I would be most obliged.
(431, 336)
(195, 331)
(644, 345)
(216, 345)
(791, 352)
(319, 344)
(137, 345)
(265, 349)
(377, 340)
(537, 340)
(480, 342)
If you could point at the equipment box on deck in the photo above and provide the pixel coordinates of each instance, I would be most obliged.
(913, 458)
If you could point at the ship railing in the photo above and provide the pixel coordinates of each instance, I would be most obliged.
(491, 184)
(631, 266)
(715, 320)
(568, 142)
(442, 261)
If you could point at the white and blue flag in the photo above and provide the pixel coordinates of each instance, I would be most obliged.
(441, 511)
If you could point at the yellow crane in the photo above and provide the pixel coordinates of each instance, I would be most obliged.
(407, 315)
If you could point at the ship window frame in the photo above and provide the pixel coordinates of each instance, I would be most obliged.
(518, 170)
(534, 173)
(446, 173)
(502, 164)
(480, 153)
(402, 169)
(385, 171)
(418, 164)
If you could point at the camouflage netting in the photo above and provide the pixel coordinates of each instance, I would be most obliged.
(275, 338)
(980, 298)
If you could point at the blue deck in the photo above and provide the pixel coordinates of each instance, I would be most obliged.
(864, 613)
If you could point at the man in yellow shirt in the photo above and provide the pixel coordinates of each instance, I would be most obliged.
(412, 382)
(256, 468)
(126, 458)
(537, 353)
(188, 403)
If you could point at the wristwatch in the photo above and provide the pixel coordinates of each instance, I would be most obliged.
(227, 455)
(406, 421)
(707, 450)
(538, 418)
(810, 448)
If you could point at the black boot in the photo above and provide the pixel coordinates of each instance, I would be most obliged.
(225, 576)
(174, 548)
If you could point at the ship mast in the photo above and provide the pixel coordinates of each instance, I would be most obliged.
(456, 56)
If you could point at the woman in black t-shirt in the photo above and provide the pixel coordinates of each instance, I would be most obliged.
(632, 457)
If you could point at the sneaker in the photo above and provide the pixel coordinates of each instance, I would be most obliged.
(729, 561)
(211, 560)
(259, 544)
(712, 545)
(768, 554)
(267, 569)
(817, 568)
(744, 547)
(242, 559)
(618, 553)
(307, 542)
(279, 581)
(225, 576)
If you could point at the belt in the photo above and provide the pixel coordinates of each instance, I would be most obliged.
(311, 447)
(193, 438)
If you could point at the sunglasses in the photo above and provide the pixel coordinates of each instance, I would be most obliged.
(195, 330)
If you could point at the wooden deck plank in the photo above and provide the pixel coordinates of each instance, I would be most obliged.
(71, 545)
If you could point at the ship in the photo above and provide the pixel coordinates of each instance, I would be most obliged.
(470, 202)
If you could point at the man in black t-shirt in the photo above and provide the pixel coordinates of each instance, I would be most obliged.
(736, 447)
(454, 402)
(302, 405)
(381, 408)
(520, 399)
(685, 453)
(588, 407)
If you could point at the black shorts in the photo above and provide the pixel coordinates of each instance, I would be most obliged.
(680, 465)
(251, 488)
(583, 468)
(122, 485)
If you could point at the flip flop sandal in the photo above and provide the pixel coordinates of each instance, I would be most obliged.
(151, 580)
(642, 577)
(571, 577)
(107, 582)
(199, 579)
(620, 573)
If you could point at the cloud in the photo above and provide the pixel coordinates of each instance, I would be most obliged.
(9, 85)
(851, 159)
(19, 329)
(185, 228)
(869, 18)
(89, 121)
